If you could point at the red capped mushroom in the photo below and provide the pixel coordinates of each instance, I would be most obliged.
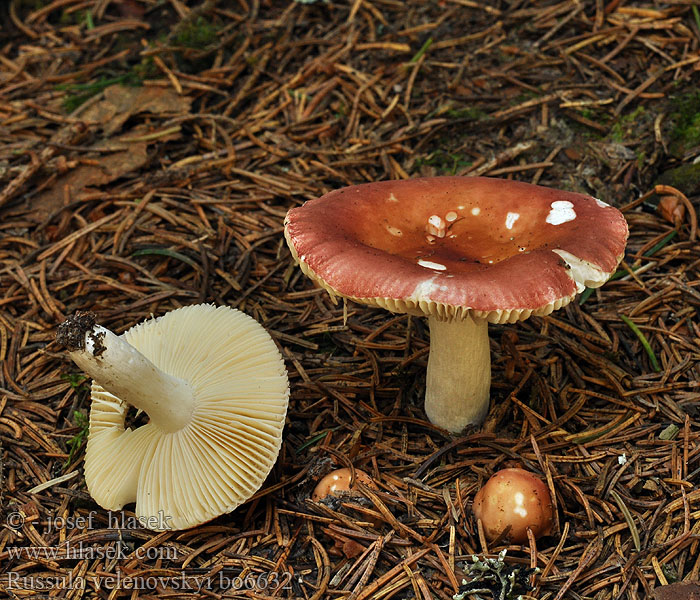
(463, 251)
(514, 500)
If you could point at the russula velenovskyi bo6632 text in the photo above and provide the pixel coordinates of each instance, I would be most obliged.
(462, 251)
(215, 389)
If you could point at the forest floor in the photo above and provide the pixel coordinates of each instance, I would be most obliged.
(149, 151)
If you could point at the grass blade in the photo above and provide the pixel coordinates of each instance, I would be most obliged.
(166, 252)
(628, 518)
(421, 52)
(644, 341)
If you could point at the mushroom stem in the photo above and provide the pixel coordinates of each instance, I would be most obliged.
(123, 371)
(459, 373)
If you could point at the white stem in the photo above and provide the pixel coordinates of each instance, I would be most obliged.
(123, 371)
(459, 373)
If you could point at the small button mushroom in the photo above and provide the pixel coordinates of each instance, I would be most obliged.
(339, 481)
(517, 499)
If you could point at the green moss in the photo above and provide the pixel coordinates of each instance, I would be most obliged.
(446, 163)
(77, 17)
(196, 34)
(79, 383)
(444, 153)
(686, 122)
(627, 126)
(685, 178)
(641, 158)
(582, 131)
(146, 69)
(76, 442)
(471, 113)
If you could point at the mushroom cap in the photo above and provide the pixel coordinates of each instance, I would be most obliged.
(222, 457)
(517, 499)
(339, 481)
(451, 246)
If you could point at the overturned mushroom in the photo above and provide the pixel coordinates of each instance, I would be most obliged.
(214, 386)
(463, 251)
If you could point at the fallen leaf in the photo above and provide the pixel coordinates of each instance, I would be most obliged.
(671, 209)
(115, 106)
(119, 103)
(68, 187)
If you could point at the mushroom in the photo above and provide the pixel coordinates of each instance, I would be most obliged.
(215, 389)
(340, 481)
(514, 500)
(463, 251)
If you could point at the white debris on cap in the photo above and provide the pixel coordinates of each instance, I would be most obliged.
(601, 203)
(511, 218)
(562, 212)
(394, 231)
(474, 199)
(436, 226)
(428, 264)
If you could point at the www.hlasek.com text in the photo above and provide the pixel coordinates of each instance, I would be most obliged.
(86, 551)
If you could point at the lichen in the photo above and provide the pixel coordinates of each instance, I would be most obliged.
(495, 577)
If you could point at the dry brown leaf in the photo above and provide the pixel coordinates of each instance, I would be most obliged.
(68, 187)
(671, 209)
(119, 103)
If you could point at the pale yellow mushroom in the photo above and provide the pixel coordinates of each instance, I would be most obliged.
(215, 388)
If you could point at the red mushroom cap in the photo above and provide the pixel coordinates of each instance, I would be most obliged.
(447, 246)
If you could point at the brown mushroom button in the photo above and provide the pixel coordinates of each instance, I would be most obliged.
(339, 481)
(461, 250)
(516, 500)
